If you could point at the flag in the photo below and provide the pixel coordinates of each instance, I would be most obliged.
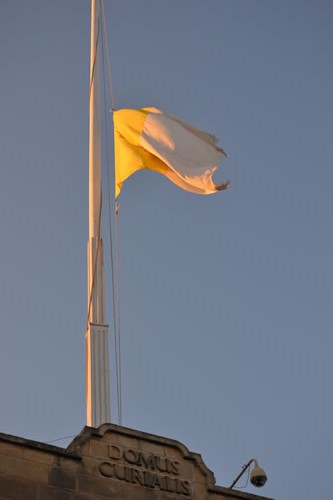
(149, 138)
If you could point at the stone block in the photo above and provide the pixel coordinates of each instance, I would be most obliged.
(129, 442)
(173, 453)
(111, 437)
(85, 449)
(90, 485)
(27, 470)
(47, 492)
(39, 456)
(99, 449)
(62, 478)
(90, 466)
(11, 449)
(199, 477)
(15, 489)
(67, 463)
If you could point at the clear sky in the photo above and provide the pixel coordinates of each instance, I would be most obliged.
(226, 300)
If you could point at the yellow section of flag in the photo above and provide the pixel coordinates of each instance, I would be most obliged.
(151, 139)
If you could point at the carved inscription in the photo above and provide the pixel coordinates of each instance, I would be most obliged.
(145, 469)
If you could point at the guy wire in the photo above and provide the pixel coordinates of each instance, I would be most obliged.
(115, 289)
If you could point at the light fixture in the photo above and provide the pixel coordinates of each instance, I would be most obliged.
(257, 477)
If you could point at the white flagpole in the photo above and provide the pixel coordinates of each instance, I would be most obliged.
(97, 353)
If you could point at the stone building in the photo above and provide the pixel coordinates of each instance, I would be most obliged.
(109, 462)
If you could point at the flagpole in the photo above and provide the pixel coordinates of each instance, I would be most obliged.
(97, 353)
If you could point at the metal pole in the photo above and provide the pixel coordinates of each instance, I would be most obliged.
(97, 354)
(245, 467)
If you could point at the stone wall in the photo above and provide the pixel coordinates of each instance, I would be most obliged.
(110, 462)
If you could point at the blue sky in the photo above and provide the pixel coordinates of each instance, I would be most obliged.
(226, 300)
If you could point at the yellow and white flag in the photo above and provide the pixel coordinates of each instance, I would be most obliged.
(149, 138)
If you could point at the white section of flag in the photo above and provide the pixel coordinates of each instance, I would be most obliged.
(192, 154)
